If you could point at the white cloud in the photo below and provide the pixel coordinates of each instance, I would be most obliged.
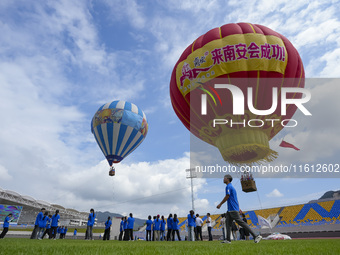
(129, 11)
(274, 193)
(143, 188)
(4, 175)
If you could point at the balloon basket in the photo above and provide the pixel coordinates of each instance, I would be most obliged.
(248, 186)
(112, 172)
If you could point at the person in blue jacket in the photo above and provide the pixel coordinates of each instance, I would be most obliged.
(169, 222)
(163, 223)
(54, 224)
(90, 223)
(36, 224)
(6, 225)
(191, 224)
(48, 227)
(130, 223)
(121, 229)
(108, 224)
(62, 232)
(65, 231)
(42, 225)
(157, 227)
(59, 232)
(75, 233)
(175, 228)
(153, 228)
(126, 232)
(148, 228)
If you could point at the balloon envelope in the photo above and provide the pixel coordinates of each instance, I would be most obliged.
(119, 127)
(247, 56)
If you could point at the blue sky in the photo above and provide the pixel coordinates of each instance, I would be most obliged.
(61, 60)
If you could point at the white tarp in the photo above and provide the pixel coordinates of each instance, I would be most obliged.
(277, 236)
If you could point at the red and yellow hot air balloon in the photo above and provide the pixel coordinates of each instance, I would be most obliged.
(256, 60)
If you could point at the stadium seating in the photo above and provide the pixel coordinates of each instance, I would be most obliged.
(321, 213)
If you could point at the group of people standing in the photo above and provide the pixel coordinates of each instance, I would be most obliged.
(155, 229)
(126, 228)
(195, 223)
(46, 223)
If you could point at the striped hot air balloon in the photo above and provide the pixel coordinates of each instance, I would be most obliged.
(119, 127)
(261, 64)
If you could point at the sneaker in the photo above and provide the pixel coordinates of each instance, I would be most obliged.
(257, 239)
(225, 241)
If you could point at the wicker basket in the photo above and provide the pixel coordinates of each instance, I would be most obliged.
(248, 185)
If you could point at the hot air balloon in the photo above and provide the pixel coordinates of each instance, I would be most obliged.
(119, 127)
(246, 56)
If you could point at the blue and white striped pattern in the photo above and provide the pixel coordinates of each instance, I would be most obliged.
(118, 136)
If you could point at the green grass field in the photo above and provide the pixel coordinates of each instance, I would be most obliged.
(27, 246)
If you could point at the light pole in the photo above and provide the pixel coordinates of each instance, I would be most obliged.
(191, 173)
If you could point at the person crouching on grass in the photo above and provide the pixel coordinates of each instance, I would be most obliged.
(233, 210)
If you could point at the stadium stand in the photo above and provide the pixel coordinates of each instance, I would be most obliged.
(310, 217)
(31, 207)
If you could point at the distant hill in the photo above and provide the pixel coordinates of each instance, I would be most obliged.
(329, 195)
(102, 217)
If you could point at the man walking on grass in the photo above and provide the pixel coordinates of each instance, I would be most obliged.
(233, 210)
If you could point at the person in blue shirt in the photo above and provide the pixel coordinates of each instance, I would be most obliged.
(75, 233)
(65, 231)
(90, 223)
(58, 232)
(62, 232)
(163, 223)
(148, 228)
(48, 227)
(175, 228)
(126, 232)
(157, 227)
(169, 222)
(191, 225)
(6, 225)
(121, 229)
(233, 212)
(42, 225)
(130, 223)
(54, 224)
(36, 224)
(153, 228)
(108, 224)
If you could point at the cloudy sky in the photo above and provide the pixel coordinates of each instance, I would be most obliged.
(61, 60)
